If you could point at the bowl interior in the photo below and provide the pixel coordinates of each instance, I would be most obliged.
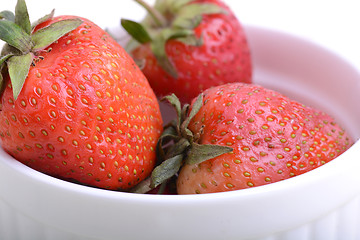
(307, 73)
(297, 68)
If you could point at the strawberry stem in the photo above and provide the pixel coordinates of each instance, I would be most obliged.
(182, 149)
(158, 18)
(169, 19)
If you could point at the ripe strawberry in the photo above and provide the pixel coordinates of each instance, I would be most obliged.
(272, 138)
(189, 46)
(85, 111)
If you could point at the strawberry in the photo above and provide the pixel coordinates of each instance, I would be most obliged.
(74, 104)
(187, 46)
(271, 137)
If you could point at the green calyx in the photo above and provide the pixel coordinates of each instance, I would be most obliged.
(23, 45)
(178, 145)
(169, 19)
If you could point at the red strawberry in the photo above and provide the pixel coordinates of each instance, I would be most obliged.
(85, 112)
(189, 46)
(272, 138)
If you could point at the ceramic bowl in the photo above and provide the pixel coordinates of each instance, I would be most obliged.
(321, 204)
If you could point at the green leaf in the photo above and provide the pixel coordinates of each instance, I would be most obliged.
(153, 14)
(186, 133)
(173, 161)
(1, 81)
(162, 187)
(18, 67)
(178, 148)
(7, 15)
(22, 16)
(175, 102)
(4, 58)
(166, 170)
(187, 23)
(136, 30)
(142, 187)
(7, 49)
(178, 4)
(1, 78)
(162, 5)
(191, 40)
(185, 111)
(199, 153)
(195, 109)
(15, 36)
(43, 19)
(175, 33)
(158, 48)
(47, 35)
(190, 16)
(195, 9)
(2, 64)
(170, 132)
(167, 135)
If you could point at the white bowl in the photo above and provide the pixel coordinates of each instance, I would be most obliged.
(322, 204)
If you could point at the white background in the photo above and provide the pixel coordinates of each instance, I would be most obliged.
(333, 24)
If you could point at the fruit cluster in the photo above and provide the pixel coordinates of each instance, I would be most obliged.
(78, 106)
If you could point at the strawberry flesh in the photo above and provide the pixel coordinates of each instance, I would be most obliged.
(86, 112)
(274, 138)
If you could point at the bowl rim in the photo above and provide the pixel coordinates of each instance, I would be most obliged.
(12, 164)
